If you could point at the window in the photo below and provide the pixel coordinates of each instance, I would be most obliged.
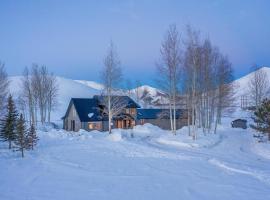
(133, 111)
(91, 126)
(94, 125)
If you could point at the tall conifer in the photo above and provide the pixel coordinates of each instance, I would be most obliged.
(32, 137)
(8, 129)
(21, 136)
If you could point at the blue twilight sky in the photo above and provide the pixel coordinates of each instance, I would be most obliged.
(71, 37)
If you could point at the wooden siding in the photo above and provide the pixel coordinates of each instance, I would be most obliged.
(72, 115)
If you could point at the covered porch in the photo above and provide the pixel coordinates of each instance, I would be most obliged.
(124, 121)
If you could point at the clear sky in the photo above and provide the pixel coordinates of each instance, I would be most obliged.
(71, 37)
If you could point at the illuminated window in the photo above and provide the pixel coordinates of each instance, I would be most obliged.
(91, 126)
(94, 125)
(133, 111)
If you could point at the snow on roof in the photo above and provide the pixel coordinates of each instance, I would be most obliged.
(90, 115)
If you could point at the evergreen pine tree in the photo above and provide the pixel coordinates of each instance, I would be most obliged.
(8, 129)
(21, 136)
(262, 118)
(32, 137)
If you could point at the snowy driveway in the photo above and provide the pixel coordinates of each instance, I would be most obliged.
(79, 167)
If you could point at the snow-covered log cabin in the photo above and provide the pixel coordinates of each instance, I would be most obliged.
(88, 114)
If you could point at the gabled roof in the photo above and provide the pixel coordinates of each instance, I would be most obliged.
(87, 109)
(153, 113)
(130, 103)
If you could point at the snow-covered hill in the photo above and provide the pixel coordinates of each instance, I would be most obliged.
(145, 94)
(91, 84)
(242, 85)
(67, 89)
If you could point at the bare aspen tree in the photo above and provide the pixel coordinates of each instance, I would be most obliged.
(128, 87)
(4, 84)
(258, 86)
(206, 83)
(169, 70)
(146, 98)
(27, 94)
(36, 83)
(225, 88)
(111, 76)
(137, 90)
(43, 92)
(52, 95)
(206, 78)
(192, 66)
(117, 105)
(39, 92)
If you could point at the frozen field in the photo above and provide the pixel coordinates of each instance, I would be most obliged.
(152, 165)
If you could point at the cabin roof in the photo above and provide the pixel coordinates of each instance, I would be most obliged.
(154, 113)
(130, 103)
(87, 109)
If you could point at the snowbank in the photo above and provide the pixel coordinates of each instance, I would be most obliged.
(183, 140)
(154, 164)
(115, 136)
(262, 149)
(147, 130)
(147, 133)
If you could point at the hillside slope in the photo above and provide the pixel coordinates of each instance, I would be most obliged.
(148, 96)
(67, 89)
(242, 83)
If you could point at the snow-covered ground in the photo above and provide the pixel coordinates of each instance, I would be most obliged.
(151, 165)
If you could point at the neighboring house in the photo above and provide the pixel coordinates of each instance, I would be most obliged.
(88, 114)
(161, 117)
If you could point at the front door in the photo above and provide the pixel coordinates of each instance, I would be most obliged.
(72, 125)
(125, 124)
(128, 124)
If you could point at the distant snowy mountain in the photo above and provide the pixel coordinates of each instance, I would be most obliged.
(149, 96)
(146, 95)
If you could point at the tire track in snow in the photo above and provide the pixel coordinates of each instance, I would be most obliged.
(261, 176)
